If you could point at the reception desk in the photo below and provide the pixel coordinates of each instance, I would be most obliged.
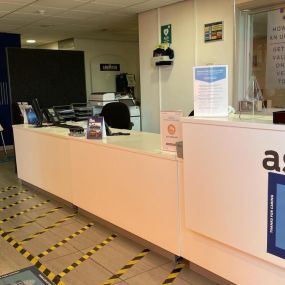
(227, 198)
(214, 207)
(125, 180)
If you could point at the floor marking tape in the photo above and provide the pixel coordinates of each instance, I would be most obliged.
(85, 257)
(33, 221)
(17, 203)
(64, 241)
(127, 267)
(13, 195)
(174, 273)
(47, 229)
(42, 268)
(6, 189)
(23, 212)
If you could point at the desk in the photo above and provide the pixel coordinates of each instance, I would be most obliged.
(125, 180)
(224, 203)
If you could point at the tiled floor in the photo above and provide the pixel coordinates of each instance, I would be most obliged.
(150, 270)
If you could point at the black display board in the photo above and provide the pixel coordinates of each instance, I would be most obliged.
(55, 77)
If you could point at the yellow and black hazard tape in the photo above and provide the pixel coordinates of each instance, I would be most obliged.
(174, 273)
(13, 195)
(17, 203)
(6, 189)
(127, 267)
(23, 212)
(33, 221)
(64, 241)
(34, 261)
(47, 229)
(85, 257)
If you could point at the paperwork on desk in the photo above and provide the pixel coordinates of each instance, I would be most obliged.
(96, 129)
(170, 129)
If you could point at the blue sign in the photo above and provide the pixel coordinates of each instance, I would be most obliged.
(276, 215)
(210, 74)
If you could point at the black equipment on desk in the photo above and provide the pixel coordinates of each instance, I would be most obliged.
(38, 112)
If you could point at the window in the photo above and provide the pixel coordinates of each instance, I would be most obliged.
(262, 56)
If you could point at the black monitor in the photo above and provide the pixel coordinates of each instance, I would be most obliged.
(38, 112)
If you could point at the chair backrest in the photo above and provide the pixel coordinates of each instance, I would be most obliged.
(117, 115)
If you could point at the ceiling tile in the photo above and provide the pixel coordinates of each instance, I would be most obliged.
(35, 9)
(8, 6)
(75, 14)
(95, 7)
(19, 19)
(65, 4)
(122, 3)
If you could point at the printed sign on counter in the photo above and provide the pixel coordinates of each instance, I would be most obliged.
(96, 128)
(211, 91)
(276, 217)
(170, 129)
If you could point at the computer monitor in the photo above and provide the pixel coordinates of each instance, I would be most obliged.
(38, 112)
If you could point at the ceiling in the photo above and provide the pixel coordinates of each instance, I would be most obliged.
(52, 20)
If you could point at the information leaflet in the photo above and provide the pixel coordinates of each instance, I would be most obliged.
(211, 91)
(170, 129)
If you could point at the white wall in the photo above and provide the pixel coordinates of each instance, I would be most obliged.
(171, 88)
(93, 49)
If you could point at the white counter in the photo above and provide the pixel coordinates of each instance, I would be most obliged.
(225, 199)
(125, 180)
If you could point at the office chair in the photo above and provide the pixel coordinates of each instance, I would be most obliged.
(117, 115)
(3, 142)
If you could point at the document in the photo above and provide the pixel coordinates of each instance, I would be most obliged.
(170, 129)
(211, 91)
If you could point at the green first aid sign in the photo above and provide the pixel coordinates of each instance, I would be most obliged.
(166, 34)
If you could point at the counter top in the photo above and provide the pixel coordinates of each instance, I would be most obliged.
(147, 143)
(238, 121)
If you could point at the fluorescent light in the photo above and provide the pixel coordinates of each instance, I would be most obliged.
(30, 41)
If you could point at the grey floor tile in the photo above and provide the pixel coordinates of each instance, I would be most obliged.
(88, 273)
(190, 276)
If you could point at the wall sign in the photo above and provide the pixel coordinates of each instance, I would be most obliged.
(110, 67)
(214, 32)
(275, 67)
(166, 34)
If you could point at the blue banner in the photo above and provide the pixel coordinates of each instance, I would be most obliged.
(276, 215)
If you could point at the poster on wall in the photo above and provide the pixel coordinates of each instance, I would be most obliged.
(213, 32)
(170, 129)
(276, 217)
(275, 65)
(211, 91)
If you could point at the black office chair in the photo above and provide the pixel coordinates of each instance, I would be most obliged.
(117, 115)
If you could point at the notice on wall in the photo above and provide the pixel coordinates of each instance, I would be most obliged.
(275, 65)
(170, 129)
(213, 32)
(211, 91)
(276, 217)
(166, 34)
